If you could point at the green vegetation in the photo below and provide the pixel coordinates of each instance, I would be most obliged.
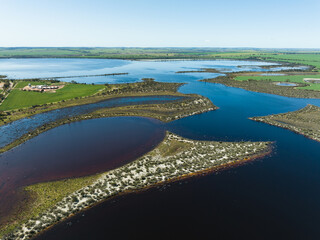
(267, 86)
(297, 57)
(144, 88)
(289, 78)
(120, 53)
(305, 121)
(18, 99)
(311, 59)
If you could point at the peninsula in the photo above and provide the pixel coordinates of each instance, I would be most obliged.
(305, 121)
(173, 159)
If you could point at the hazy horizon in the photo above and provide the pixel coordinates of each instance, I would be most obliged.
(164, 47)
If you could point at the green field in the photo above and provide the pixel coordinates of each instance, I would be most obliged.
(20, 99)
(305, 59)
(291, 78)
(311, 58)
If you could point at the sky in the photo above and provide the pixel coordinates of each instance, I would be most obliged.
(160, 23)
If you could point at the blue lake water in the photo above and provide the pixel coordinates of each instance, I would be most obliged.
(286, 84)
(161, 70)
(273, 198)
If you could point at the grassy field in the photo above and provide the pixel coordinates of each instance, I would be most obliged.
(291, 78)
(20, 99)
(310, 58)
(303, 58)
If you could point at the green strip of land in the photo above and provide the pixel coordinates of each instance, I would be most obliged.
(267, 86)
(286, 78)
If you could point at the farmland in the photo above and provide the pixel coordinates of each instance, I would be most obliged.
(18, 99)
(289, 78)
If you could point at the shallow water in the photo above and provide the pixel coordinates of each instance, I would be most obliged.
(273, 198)
(286, 84)
(161, 70)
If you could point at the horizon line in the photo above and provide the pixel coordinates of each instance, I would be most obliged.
(315, 48)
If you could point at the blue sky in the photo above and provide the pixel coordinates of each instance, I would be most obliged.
(165, 23)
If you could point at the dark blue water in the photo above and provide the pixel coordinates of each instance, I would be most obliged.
(276, 197)
(16, 129)
(273, 198)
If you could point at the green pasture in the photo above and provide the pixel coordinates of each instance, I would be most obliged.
(20, 99)
(291, 78)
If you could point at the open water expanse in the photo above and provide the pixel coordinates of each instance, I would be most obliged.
(276, 197)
